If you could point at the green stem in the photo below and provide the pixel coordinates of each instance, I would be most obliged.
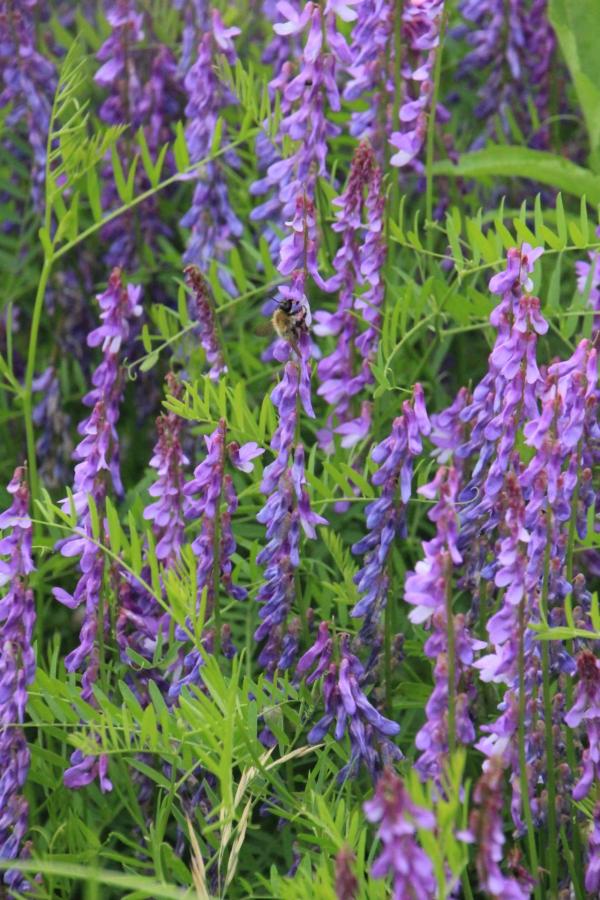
(451, 662)
(431, 128)
(533, 857)
(27, 393)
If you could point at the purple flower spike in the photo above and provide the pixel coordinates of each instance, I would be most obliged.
(486, 831)
(28, 82)
(201, 310)
(513, 45)
(17, 671)
(286, 511)
(586, 709)
(96, 470)
(370, 70)
(143, 91)
(422, 21)
(307, 94)
(592, 872)
(385, 517)
(211, 501)
(398, 819)
(427, 590)
(168, 459)
(214, 226)
(358, 264)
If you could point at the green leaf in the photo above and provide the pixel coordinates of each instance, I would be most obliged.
(180, 150)
(577, 25)
(521, 162)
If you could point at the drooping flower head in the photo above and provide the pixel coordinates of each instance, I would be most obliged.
(347, 706)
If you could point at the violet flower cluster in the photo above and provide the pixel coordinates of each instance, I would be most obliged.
(27, 83)
(398, 819)
(214, 226)
(17, 671)
(358, 277)
(422, 23)
(97, 469)
(306, 99)
(586, 712)
(142, 619)
(347, 705)
(386, 516)
(286, 511)
(486, 831)
(211, 501)
(588, 283)
(429, 590)
(143, 92)
(513, 44)
(371, 73)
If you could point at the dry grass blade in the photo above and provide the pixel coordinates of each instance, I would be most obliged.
(198, 870)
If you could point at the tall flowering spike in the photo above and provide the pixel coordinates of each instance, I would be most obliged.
(358, 268)
(486, 830)
(169, 461)
(398, 819)
(386, 516)
(588, 283)
(306, 98)
(17, 671)
(285, 512)
(479, 431)
(429, 590)
(370, 70)
(202, 311)
(347, 706)
(211, 501)
(142, 619)
(422, 21)
(143, 92)
(195, 20)
(586, 710)
(96, 471)
(28, 82)
(213, 224)
(513, 45)
(592, 872)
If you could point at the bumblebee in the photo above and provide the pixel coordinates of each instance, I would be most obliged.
(289, 325)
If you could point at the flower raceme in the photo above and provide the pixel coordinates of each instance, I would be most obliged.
(397, 818)
(17, 671)
(96, 470)
(210, 501)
